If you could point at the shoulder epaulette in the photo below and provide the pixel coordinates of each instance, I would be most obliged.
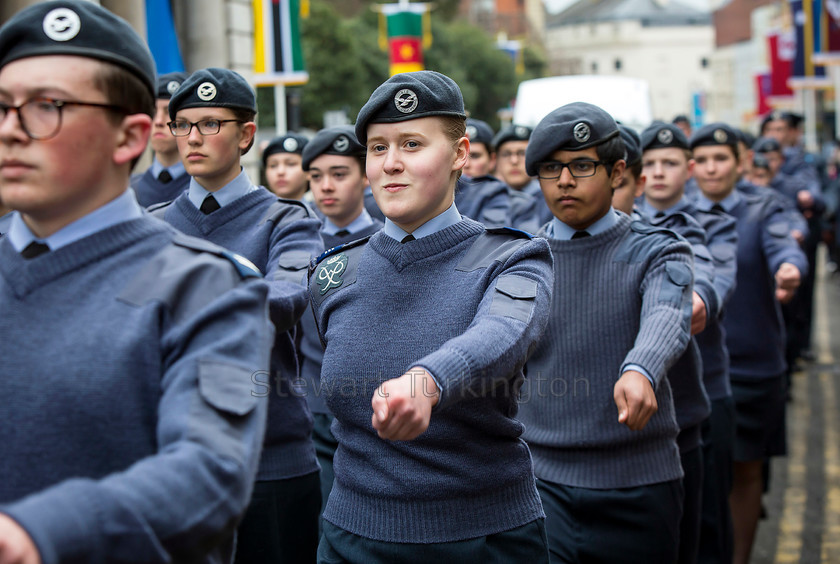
(518, 233)
(159, 209)
(278, 207)
(340, 248)
(244, 267)
(645, 228)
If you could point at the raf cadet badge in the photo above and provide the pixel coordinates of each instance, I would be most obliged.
(330, 272)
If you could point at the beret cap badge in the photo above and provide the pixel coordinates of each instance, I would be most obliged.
(665, 136)
(406, 101)
(471, 132)
(206, 91)
(341, 144)
(172, 86)
(62, 24)
(522, 132)
(581, 132)
(720, 136)
(290, 144)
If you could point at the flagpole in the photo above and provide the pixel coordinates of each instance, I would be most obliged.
(280, 109)
(831, 60)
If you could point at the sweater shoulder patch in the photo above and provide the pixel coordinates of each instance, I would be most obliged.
(494, 245)
(644, 240)
(244, 267)
(335, 268)
(158, 210)
(281, 208)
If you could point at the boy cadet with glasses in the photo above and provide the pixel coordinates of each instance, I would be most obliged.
(597, 409)
(166, 178)
(131, 432)
(213, 121)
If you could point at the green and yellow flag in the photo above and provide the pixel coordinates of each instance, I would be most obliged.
(278, 55)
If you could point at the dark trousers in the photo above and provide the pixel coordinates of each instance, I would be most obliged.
(281, 523)
(325, 445)
(631, 525)
(525, 544)
(715, 515)
(692, 463)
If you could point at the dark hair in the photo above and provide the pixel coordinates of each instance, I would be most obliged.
(610, 152)
(636, 169)
(124, 89)
(454, 127)
(245, 115)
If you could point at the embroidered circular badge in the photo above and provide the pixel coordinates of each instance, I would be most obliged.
(471, 131)
(665, 136)
(406, 101)
(62, 24)
(330, 272)
(720, 136)
(172, 86)
(581, 132)
(521, 132)
(206, 91)
(290, 144)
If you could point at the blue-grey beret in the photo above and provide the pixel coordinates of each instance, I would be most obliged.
(680, 118)
(76, 27)
(632, 144)
(512, 133)
(480, 132)
(766, 145)
(572, 127)
(213, 88)
(288, 143)
(168, 84)
(410, 95)
(663, 136)
(746, 137)
(717, 133)
(792, 119)
(339, 140)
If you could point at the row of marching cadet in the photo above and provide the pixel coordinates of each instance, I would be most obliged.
(423, 340)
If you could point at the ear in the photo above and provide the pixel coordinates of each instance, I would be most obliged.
(617, 173)
(462, 153)
(132, 138)
(640, 185)
(249, 129)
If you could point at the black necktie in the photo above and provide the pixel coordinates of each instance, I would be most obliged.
(209, 205)
(407, 238)
(580, 234)
(342, 233)
(718, 208)
(34, 249)
(164, 177)
(659, 214)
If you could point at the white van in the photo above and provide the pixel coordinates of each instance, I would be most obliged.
(626, 99)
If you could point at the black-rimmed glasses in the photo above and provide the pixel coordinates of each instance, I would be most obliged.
(552, 170)
(40, 118)
(182, 128)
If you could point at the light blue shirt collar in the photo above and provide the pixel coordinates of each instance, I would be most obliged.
(122, 208)
(533, 189)
(175, 170)
(728, 203)
(233, 190)
(650, 211)
(450, 217)
(362, 222)
(560, 230)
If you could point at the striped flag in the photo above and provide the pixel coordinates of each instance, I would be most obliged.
(162, 38)
(782, 47)
(404, 29)
(278, 55)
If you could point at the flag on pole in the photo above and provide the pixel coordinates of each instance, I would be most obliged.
(162, 38)
(278, 54)
(763, 83)
(405, 30)
(806, 18)
(832, 25)
(782, 47)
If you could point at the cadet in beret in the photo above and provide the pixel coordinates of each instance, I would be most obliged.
(667, 165)
(213, 120)
(281, 160)
(770, 266)
(166, 178)
(632, 180)
(598, 413)
(482, 159)
(132, 434)
(684, 124)
(335, 163)
(760, 173)
(427, 325)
